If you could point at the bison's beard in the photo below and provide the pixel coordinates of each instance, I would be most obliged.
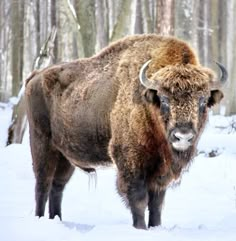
(181, 159)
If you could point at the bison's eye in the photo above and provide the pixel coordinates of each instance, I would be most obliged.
(165, 105)
(202, 104)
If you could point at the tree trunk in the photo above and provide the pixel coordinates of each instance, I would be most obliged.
(138, 28)
(6, 46)
(232, 107)
(102, 23)
(37, 21)
(86, 15)
(183, 20)
(222, 48)
(17, 26)
(114, 8)
(195, 28)
(54, 23)
(165, 17)
(122, 26)
(230, 90)
(148, 20)
(215, 27)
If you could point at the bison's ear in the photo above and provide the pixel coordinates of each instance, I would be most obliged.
(215, 98)
(151, 96)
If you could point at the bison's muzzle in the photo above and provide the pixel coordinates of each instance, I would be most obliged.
(181, 138)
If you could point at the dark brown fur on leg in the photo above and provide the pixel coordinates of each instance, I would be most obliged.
(41, 199)
(155, 202)
(62, 175)
(137, 198)
(44, 164)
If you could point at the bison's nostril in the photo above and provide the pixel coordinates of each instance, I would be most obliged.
(176, 138)
(183, 136)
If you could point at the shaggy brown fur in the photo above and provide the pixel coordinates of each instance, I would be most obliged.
(95, 111)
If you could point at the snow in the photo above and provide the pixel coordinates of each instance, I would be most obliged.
(202, 207)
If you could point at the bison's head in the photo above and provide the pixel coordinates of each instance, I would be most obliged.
(183, 93)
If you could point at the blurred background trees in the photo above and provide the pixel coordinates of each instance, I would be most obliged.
(86, 26)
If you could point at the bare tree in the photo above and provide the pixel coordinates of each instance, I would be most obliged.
(102, 23)
(37, 23)
(17, 27)
(86, 16)
(122, 26)
(54, 22)
(184, 19)
(232, 105)
(230, 90)
(5, 54)
(165, 17)
(148, 16)
(138, 28)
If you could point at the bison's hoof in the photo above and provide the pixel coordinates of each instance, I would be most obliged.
(140, 225)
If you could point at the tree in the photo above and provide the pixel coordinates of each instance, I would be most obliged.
(138, 28)
(184, 20)
(165, 17)
(86, 16)
(230, 59)
(54, 22)
(148, 16)
(17, 27)
(102, 23)
(232, 105)
(122, 26)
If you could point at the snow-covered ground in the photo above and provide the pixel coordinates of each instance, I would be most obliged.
(202, 207)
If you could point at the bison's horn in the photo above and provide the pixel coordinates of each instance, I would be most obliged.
(143, 78)
(223, 78)
(224, 73)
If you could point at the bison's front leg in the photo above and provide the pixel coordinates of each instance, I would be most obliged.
(134, 190)
(155, 202)
(131, 183)
(137, 197)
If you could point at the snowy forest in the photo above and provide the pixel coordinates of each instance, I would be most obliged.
(84, 27)
(199, 205)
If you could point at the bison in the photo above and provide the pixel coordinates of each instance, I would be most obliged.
(141, 104)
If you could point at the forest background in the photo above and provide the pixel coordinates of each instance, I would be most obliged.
(86, 26)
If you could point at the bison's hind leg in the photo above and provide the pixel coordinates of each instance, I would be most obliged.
(44, 165)
(63, 173)
(52, 172)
